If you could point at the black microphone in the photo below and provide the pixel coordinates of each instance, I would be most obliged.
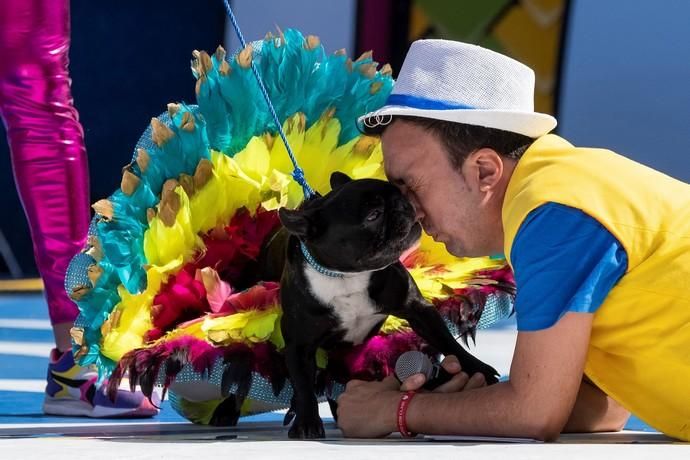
(415, 362)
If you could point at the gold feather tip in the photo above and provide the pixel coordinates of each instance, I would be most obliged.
(187, 123)
(77, 334)
(170, 203)
(311, 42)
(365, 55)
(104, 208)
(83, 350)
(244, 57)
(173, 109)
(203, 173)
(95, 250)
(328, 114)
(220, 53)
(368, 69)
(79, 291)
(375, 87)
(187, 183)
(143, 159)
(269, 140)
(129, 182)
(225, 69)
(94, 272)
(365, 145)
(160, 133)
(205, 62)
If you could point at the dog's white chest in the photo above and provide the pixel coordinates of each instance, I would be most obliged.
(349, 298)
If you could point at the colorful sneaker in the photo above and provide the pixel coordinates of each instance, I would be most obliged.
(71, 391)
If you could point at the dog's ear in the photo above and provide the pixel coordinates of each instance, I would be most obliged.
(297, 222)
(339, 179)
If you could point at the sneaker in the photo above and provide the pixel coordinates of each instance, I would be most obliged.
(72, 391)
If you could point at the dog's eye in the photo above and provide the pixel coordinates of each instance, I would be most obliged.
(373, 215)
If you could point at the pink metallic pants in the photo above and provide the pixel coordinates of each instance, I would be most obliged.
(46, 140)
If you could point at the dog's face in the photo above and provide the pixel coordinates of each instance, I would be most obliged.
(360, 225)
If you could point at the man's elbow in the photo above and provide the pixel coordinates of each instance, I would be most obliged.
(548, 433)
(545, 430)
(550, 430)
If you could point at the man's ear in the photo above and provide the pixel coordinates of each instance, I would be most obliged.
(296, 222)
(339, 179)
(489, 168)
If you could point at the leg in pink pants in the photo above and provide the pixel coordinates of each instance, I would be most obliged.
(45, 137)
(50, 168)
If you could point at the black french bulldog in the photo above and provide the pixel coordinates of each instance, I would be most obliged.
(354, 236)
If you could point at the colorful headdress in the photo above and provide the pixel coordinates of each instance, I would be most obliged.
(167, 286)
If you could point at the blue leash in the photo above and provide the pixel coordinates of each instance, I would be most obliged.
(297, 173)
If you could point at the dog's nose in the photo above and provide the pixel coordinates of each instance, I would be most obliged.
(416, 210)
(407, 208)
(418, 214)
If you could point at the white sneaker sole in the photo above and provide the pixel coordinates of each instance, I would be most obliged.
(75, 408)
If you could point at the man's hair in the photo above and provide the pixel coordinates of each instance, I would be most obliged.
(461, 139)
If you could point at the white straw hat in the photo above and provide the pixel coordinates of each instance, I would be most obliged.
(463, 83)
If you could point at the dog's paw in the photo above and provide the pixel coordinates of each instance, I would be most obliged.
(307, 428)
(289, 417)
(491, 375)
(473, 365)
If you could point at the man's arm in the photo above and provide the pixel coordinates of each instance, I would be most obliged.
(536, 402)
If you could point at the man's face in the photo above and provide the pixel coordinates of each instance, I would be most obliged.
(448, 200)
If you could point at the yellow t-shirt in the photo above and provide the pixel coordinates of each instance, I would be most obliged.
(639, 351)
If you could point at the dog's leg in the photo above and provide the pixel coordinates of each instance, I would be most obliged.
(333, 405)
(301, 363)
(426, 321)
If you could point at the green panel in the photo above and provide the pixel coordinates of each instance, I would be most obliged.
(464, 20)
(490, 42)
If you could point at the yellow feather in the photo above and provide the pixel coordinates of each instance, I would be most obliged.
(135, 313)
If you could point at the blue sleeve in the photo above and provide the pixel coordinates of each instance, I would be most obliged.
(564, 260)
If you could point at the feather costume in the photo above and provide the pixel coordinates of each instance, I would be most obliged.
(167, 285)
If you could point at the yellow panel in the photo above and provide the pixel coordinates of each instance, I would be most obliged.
(34, 284)
(544, 6)
(543, 102)
(528, 42)
(419, 23)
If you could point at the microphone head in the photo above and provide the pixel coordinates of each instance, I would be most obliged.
(413, 362)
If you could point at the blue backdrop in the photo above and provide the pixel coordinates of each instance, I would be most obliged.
(128, 60)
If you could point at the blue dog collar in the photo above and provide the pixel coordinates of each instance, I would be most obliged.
(317, 266)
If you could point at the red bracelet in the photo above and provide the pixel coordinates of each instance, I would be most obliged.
(402, 412)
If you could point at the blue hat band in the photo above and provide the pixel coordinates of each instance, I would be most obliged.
(416, 102)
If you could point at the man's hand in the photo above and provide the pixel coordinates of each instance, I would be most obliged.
(535, 402)
(368, 409)
(460, 381)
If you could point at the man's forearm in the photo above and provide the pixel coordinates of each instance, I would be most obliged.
(496, 410)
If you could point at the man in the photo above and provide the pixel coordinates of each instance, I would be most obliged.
(600, 247)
